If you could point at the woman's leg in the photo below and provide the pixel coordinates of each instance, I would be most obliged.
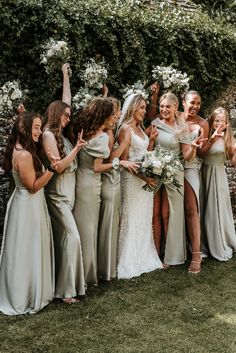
(165, 211)
(193, 226)
(157, 221)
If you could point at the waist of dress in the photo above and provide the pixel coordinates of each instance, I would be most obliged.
(212, 163)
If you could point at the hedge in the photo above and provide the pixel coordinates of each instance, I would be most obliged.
(132, 35)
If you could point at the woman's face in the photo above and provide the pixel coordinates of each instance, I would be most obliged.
(65, 118)
(111, 122)
(36, 129)
(192, 104)
(219, 119)
(140, 112)
(167, 109)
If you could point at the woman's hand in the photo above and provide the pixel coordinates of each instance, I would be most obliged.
(66, 70)
(198, 142)
(153, 133)
(53, 160)
(20, 108)
(155, 89)
(104, 90)
(150, 181)
(80, 142)
(131, 166)
(219, 132)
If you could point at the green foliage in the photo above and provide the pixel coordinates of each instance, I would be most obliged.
(132, 35)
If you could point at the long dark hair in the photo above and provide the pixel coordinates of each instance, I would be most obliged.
(22, 133)
(53, 116)
(94, 116)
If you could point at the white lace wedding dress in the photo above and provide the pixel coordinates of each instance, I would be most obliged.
(136, 251)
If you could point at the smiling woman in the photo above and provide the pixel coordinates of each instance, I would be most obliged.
(57, 142)
(27, 278)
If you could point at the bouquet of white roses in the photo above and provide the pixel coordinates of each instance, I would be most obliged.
(55, 53)
(163, 165)
(171, 79)
(10, 97)
(82, 98)
(137, 88)
(95, 74)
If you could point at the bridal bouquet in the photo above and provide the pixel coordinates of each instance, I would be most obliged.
(137, 88)
(171, 79)
(55, 53)
(10, 97)
(162, 165)
(95, 74)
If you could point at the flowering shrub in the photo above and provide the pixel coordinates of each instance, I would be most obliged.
(132, 36)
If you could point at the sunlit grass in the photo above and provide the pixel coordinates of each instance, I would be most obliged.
(163, 311)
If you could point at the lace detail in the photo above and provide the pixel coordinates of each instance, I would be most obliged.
(136, 253)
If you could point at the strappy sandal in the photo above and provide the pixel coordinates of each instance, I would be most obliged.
(195, 266)
(70, 300)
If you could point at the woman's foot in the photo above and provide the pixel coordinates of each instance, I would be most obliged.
(165, 266)
(70, 300)
(195, 264)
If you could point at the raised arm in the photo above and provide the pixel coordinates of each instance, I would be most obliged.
(66, 91)
(152, 109)
(51, 150)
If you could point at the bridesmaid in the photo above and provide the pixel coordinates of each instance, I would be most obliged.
(94, 120)
(60, 192)
(110, 208)
(27, 261)
(218, 217)
(197, 125)
(168, 202)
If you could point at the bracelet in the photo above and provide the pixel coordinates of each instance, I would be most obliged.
(115, 163)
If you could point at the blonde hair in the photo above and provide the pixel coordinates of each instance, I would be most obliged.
(171, 97)
(229, 139)
(133, 107)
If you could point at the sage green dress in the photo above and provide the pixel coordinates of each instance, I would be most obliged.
(192, 170)
(60, 194)
(175, 248)
(88, 201)
(27, 256)
(109, 224)
(218, 217)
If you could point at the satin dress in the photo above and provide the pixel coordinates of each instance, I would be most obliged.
(27, 255)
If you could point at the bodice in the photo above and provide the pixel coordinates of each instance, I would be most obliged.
(216, 155)
(138, 146)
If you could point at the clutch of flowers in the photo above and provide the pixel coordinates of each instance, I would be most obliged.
(162, 165)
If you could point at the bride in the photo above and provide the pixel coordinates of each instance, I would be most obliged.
(136, 251)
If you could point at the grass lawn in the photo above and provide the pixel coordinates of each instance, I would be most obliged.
(163, 311)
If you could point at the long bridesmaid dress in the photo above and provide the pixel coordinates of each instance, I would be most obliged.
(109, 224)
(27, 256)
(218, 217)
(87, 202)
(175, 248)
(60, 194)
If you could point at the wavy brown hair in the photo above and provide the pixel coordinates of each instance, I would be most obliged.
(228, 133)
(95, 115)
(22, 133)
(53, 116)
